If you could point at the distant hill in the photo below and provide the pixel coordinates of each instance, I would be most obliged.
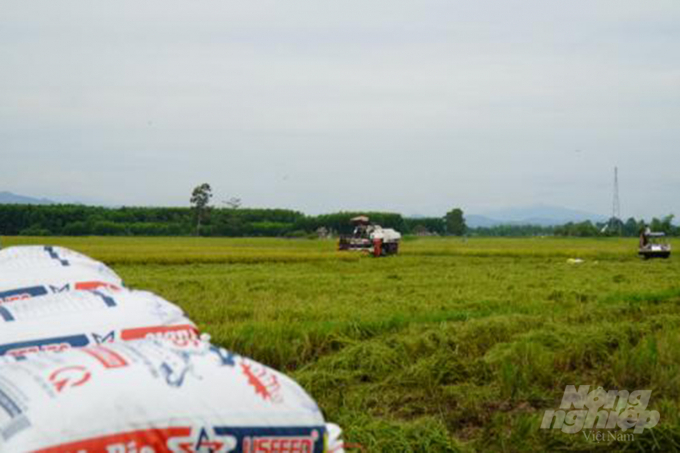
(11, 198)
(476, 221)
(532, 215)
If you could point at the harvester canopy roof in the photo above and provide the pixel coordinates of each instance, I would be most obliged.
(656, 234)
(359, 219)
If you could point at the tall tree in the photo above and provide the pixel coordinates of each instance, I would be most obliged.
(631, 228)
(200, 198)
(455, 222)
(664, 225)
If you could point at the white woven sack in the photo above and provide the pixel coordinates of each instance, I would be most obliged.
(153, 396)
(45, 252)
(36, 259)
(25, 282)
(81, 318)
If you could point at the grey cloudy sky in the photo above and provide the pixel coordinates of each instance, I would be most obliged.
(324, 105)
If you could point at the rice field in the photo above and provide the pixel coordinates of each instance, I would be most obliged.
(453, 345)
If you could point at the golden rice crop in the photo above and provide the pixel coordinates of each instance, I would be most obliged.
(451, 345)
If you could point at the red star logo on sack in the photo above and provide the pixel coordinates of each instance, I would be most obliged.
(264, 381)
(203, 444)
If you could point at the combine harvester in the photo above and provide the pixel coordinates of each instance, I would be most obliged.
(367, 237)
(654, 245)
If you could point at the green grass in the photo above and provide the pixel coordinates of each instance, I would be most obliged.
(451, 346)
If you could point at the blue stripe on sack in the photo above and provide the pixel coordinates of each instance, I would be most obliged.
(9, 405)
(6, 315)
(32, 291)
(55, 256)
(109, 301)
(75, 341)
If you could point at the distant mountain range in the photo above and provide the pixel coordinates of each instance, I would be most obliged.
(542, 215)
(11, 198)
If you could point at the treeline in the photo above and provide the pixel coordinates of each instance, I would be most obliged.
(509, 230)
(613, 228)
(79, 220)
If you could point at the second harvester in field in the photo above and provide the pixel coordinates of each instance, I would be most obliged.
(371, 238)
(654, 245)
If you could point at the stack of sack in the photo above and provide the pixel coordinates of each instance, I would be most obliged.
(89, 366)
(32, 271)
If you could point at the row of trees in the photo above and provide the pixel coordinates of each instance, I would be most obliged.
(78, 220)
(232, 220)
(452, 223)
(614, 227)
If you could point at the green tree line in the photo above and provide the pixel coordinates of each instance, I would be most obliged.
(80, 220)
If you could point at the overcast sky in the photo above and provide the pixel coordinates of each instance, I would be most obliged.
(414, 107)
